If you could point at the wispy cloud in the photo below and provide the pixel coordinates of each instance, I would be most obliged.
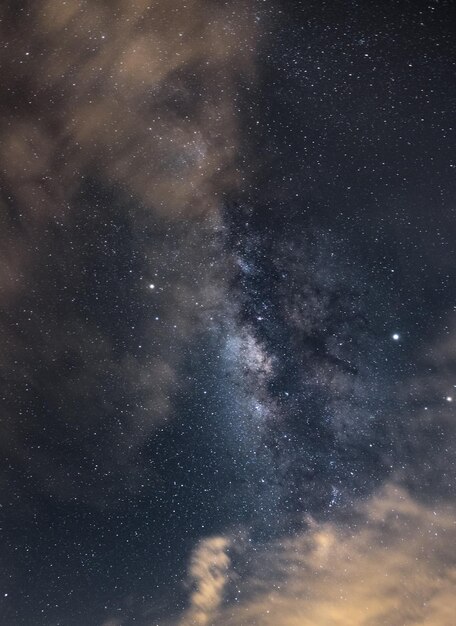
(117, 157)
(393, 563)
(208, 573)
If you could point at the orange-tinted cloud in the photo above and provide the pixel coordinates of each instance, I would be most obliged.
(393, 564)
(136, 99)
(139, 95)
(208, 573)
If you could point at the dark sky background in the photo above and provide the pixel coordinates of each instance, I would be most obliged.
(228, 315)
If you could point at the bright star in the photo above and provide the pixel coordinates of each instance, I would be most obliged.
(151, 286)
(449, 399)
(396, 337)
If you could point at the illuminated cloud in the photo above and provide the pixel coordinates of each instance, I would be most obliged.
(134, 94)
(127, 124)
(208, 572)
(141, 92)
(393, 563)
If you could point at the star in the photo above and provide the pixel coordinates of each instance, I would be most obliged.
(396, 336)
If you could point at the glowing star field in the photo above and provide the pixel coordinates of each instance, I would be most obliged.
(228, 313)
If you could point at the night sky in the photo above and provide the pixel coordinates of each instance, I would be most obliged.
(228, 313)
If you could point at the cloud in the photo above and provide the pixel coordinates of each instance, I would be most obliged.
(208, 572)
(142, 93)
(139, 96)
(392, 563)
(119, 131)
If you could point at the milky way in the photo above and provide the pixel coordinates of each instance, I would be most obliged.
(227, 279)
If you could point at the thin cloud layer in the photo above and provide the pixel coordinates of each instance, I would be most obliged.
(119, 129)
(128, 97)
(140, 95)
(393, 563)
